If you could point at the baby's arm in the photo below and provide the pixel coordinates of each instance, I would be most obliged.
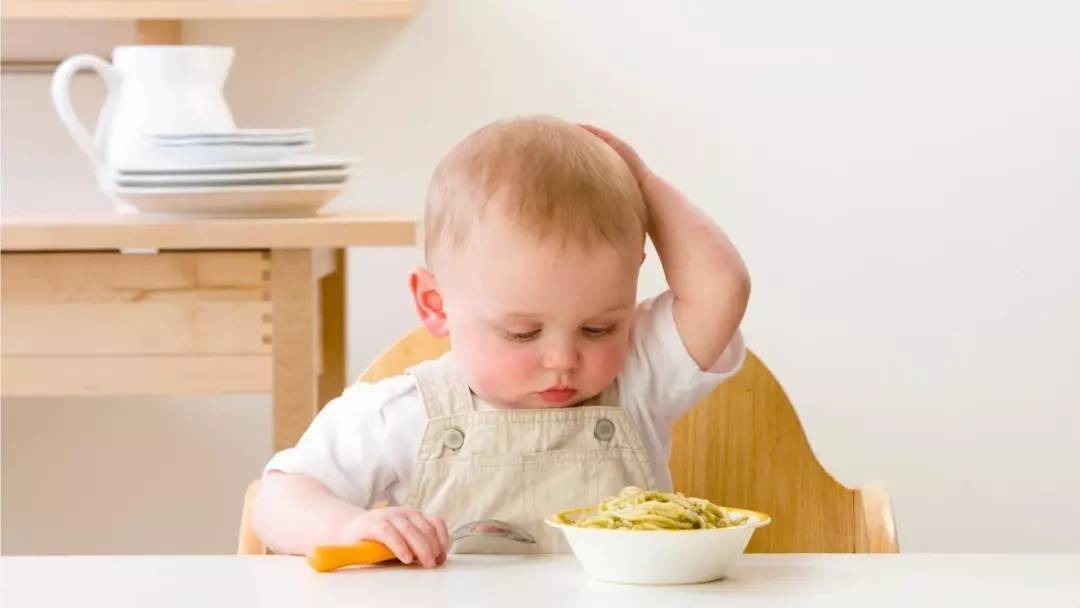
(293, 513)
(706, 274)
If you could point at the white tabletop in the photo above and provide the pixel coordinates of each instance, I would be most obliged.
(1024, 581)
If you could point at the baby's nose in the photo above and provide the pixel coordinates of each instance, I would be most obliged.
(561, 357)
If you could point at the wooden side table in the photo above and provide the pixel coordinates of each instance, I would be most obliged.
(113, 305)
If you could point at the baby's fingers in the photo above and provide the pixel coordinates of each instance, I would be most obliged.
(435, 529)
(429, 527)
(597, 131)
(423, 545)
(441, 531)
(623, 149)
(389, 535)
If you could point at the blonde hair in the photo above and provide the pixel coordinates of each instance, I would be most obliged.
(550, 177)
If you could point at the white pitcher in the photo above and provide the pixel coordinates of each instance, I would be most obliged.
(151, 89)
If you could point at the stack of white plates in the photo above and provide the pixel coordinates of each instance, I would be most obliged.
(293, 186)
(250, 172)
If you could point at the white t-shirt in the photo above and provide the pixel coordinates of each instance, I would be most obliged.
(363, 445)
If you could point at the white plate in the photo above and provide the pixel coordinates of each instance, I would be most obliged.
(217, 143)
(231, 140)
(203, 180)
(306, 162)
(237, 134)
(230, 201)
(226, 153)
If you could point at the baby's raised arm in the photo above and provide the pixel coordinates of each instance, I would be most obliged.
(705, 272)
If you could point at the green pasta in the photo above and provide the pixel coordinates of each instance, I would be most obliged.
(637, 509)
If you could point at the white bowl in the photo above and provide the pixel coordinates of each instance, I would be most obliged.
(660, 557)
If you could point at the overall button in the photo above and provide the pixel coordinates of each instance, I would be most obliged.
(453, 438)
(605, 429)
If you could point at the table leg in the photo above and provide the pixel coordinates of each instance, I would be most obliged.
(294, 295)
(332, 305)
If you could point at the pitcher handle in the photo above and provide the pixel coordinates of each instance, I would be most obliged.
(92, 146)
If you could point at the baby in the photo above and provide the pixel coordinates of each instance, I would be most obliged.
(560, 387)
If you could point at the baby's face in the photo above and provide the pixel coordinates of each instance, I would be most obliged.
(535, 324)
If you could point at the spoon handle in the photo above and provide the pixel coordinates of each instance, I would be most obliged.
(326, 558)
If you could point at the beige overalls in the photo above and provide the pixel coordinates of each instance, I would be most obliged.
(518, 465)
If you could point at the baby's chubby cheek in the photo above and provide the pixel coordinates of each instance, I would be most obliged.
(502, 375)
(605, 364)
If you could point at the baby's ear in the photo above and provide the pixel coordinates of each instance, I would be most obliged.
(428, 301)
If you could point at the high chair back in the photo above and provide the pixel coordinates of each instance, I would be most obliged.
(741, 446)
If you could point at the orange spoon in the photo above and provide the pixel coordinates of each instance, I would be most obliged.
(326, 558)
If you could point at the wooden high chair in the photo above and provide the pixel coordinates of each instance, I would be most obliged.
(741, 446)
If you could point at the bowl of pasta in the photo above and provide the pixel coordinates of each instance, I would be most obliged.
(649, 537)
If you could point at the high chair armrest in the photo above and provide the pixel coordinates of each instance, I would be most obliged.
(875, 526)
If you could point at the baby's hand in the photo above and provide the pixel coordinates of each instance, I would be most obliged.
(410, 534)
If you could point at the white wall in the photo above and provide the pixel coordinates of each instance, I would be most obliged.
(903, 181)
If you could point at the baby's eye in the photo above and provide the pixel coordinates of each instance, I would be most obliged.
(521, 336)
(597, 332)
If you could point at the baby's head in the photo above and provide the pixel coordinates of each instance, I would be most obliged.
(534, 235)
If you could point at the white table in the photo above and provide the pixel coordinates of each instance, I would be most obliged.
(1023, 581)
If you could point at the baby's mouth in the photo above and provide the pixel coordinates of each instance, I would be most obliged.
(557, 394)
